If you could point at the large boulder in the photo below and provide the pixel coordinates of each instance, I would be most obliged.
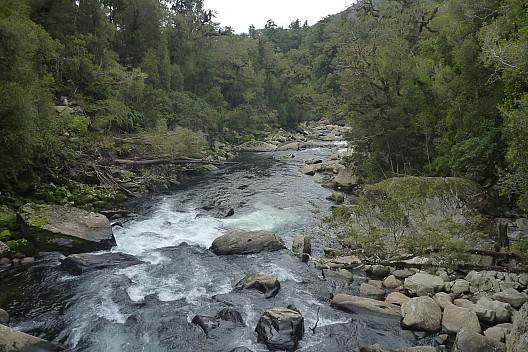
(346, 179)
(65, 229)
(266, 284)
(491, 311)
(422, 313)
(15, 341)
(422, 284)
(456, 318)
(240, 242)
(354, 304)
(77, 264)
(280, 329)
(517, 340)
(470, 341)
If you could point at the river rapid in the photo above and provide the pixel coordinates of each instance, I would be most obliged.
(149, 307)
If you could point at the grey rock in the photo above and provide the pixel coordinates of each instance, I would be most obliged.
(3, 248)
(378, 270)
(346, 179)
(455, 318)
(280, 329)
(396, 298)
(240, 242)
(422, 313)
(206, 323)
(482, 281)
(492, 311)
(77, 264)
(266, 284)
(336, 197)
(4, 317)
(443, 299)
(66, 229)
(241, 349)
(422, 284)
(515, 298)
(313, 161)
(312, 169)
(460, 286)
(392, 282)
(378, 348)
(367, 289)
(496, 333)
(470, 341)
(15, 341)
(403, 273)
(257, 146)
(354, 304)
(230, 314)
(302, 245)
(517, 340)
(463, 302)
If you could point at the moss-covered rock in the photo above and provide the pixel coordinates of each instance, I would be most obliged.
(7, 218)
(65, 229)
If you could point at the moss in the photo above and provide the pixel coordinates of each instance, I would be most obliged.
(7, 217)
(5, 235)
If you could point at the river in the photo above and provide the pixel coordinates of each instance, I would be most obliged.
(149, 307)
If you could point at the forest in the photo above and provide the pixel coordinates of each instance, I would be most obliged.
(430, 88)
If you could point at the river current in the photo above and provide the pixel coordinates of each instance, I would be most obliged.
(149, 307)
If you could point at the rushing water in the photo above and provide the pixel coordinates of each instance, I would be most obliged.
(149, 307)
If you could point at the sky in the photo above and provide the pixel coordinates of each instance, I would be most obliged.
(240, 14)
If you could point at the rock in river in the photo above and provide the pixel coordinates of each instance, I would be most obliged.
(240, 242)
(280, 329)
(65, 229)
(15, 341)
(261, 282)
(77, 264)
(353, 304)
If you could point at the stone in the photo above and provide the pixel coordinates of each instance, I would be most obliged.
(77, 264)
(313, 161)
(378, 270)
(511, 296)
(470, 341)
(27, 261)
(460, 286)
(312, 169)
(15, 341)
(397, 298)
(392, 282)
(354, 304)
(422, 313)
(482, 281)
(346, 179)
(240, 242)
(5, 262)
(289, 146)
(464, 303)
(266, 284)
(517, 340)
(66, 229)
(349, 260)
(3, 248)
(230, 314)
(302, 246)
(455, 318)
(442, 299)
(378, 348)
(280, 329)
(206, 323)
(367, 289)
(257, 146)
(346, 274)
(4, 317)
(337, 197)
(422, 284)
(402, 273)
(241, 349)
(492, 311)
(496, 333)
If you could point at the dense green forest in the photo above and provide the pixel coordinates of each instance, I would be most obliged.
(435, 87)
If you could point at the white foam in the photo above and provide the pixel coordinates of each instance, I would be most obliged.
(264, 217)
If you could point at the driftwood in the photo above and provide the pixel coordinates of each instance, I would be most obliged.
(160, 161)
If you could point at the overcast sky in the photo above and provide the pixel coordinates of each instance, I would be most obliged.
(240, 14)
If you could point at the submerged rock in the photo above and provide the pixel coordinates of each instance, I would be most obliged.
(266, 284)
(65, 229)
(206, 323)
(15, 341)
(240, 242)
(280, 329)
(77, 264)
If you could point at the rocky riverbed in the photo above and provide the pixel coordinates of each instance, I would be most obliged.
(185, 277)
